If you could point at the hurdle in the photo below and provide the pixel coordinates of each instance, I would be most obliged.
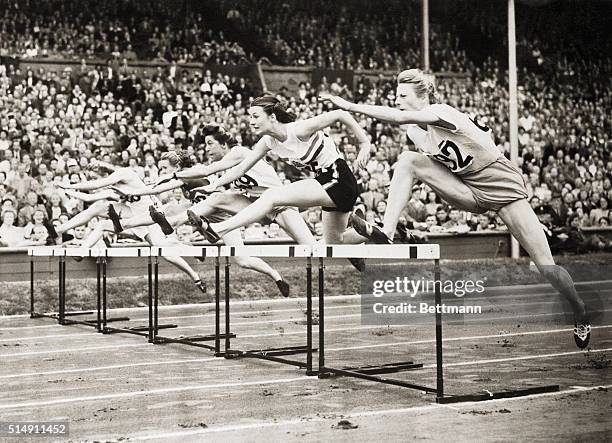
(370, 372)
(201, 253)
(279, 354)
(102, 319)
(61, 314)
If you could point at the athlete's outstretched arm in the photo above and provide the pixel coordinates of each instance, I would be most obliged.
(161, 186)
(305, 128)
(91, 185)
(383, 113)
(229, 161)
(105, 194)
(259, 151)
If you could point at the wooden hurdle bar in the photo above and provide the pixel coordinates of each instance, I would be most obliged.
(202, 253)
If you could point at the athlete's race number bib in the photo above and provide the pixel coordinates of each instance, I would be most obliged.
(452, 157)
(131, 198)
(245, 182)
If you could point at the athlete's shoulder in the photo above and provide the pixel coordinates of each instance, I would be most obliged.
(451, 118)
(239, 149)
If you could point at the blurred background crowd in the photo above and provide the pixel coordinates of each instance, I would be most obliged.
(53, 123)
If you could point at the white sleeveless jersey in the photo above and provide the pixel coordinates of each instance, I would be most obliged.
(318, 152)
(138, 203)
(259, 178)
(467, 147)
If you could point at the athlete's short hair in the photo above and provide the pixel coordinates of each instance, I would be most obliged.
(424, 84)
(272, 105)
(179, 159)
(220, 134)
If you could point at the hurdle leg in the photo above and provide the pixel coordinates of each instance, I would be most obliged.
(98, 296)
(62, 290)
(156, 299)
(227, 305)
(321, 318)
(104, 293)
(32, 287)
(217, 308)
(439, 361)
(150, 298)
(309, 370)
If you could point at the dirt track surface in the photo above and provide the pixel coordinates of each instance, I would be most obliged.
(119, 387)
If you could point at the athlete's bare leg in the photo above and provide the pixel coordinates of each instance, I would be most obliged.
(524, 225)
(334, 224)
(293, 224)
(97, 209)
(234, 238)
(413, 166)
(138, 220)
(156, 237)
(303, 193)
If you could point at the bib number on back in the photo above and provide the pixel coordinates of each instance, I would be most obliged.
(452, 157)
(131, 198)
(245, 182)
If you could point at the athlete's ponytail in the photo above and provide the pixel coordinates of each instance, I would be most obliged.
(424, 85)
(272, 105)
(219, 134)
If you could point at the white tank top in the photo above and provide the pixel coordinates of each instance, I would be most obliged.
(136, 202)
(259, 178)
(466, 148)
(318, 152)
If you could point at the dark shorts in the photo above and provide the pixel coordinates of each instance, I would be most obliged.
(340, 184)
(497, 185)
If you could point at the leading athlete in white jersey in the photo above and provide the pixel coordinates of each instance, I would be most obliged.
(461, 163)
(301, 142)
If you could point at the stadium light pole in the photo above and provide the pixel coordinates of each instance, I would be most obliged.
(425, 35)
(512, 94)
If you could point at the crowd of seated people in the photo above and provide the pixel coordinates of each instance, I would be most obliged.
(115, 29)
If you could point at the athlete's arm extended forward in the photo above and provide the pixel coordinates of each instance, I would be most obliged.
(105, 194)
(161, 186)
(91, 185)
(305, 128)
(199, 171)
(383, 113)
(259, 151)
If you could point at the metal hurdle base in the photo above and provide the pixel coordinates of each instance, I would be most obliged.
(486, 395)
(135, 330)
(193, 341)
(388, 368)
(273, 354)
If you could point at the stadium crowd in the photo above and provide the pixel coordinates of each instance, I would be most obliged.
(53, 124)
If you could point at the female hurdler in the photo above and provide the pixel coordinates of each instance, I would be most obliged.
(461, 163)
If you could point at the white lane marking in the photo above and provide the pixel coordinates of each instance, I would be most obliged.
(525, 357)
(17, 328)
(40, 337)
(318, 419)
(160, 391)
(106, 368)
(61, 351)
(475, 337)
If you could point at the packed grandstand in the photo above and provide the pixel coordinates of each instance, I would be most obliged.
(125, 91)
